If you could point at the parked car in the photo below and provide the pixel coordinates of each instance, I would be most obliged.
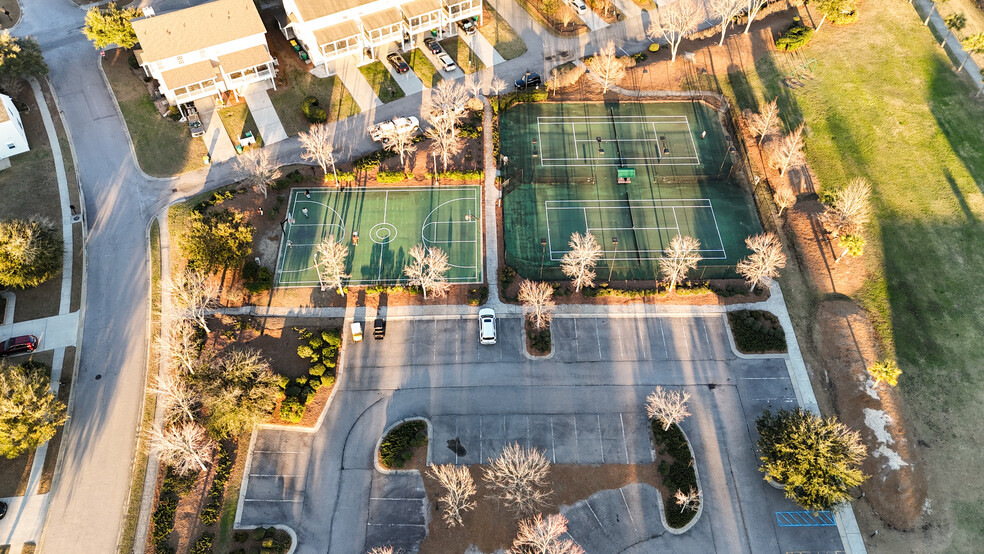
(377, 131)
(468, 26)
(356, 332)
(432, 45)
(447, 64)
(379, 328)
(194, 121)
(486, 318)
(3, 509)
(18, 345)
(398, 63)
(578, 5)
(530, 80)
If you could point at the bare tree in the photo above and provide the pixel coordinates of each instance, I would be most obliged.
(446, 141)
(726, 10)
(428, 269)
(179, 400)
(185, 446)
(607, 67)
(687, 500)
(399, 139)
(539, 535)
(852, 244)
(318, 147)
(579, 262)
(447, 100)
(178, 345)
(784, 198)
(675, 21)
(459, 487)
(566, 15)
(329, 260)
(788, 150)
(192, 295)
(753, 9)
(679, 258)
(766, 121)
(518, 477)
(498, 86)
(382, 550)
(538, 304)
(851, 210)
(766, 260)
(667, 407)
(257, 169)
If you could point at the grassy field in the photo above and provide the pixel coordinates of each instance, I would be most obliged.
(425, 70)
(500, 34)
(237, 119)
(908, 124)
(164, 147)
(382, 83)
(468, 61)
(331, 93)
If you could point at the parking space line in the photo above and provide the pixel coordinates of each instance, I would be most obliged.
(456, 436)
(263, 500)
(662, 333)
(707, 340)
(577, 446)
(553, 449)
(273, 475)
(598, 337)
(480, 458)
(575, 329)
(626, 502)
(600, 525)
(601, 443)
(625, 445)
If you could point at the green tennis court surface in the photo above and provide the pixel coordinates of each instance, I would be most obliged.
(389, 222)
(562, 169)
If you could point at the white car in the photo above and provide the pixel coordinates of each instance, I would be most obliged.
(578, 5)
(486, 321)
(377, 131)
(447, 64)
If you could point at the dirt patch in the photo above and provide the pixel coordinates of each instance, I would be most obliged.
(490, 526)
(896, 489)
(818, 254)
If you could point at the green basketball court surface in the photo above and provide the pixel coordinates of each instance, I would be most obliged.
(387, 222)
(634, 175)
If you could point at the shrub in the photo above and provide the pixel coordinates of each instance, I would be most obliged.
(757, 331)
(796, 37)
(639, 56)
(654, 47)
(373, 159)
(292, 390)
(391, 176)
(210, 514)
(678, 474)
(317, 370)
(328, 355)
(332, 336)
(539, 339)
(203, 545)
(259, 533)
(343, 176)
(240, 536)
(468, 130)
(305, 351)
(30, 252)
(291, 409)
(327, 380)
(301, 381)
(314, 384)
(459, 175)
(312, 111)
(257, 277)
(397, 448)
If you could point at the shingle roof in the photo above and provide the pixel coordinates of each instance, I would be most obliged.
(188, 74)
(333, 33)
(420, 7)
(4, 116)
(243, 59)
(313, 9)
(383, 18)
(191, 29)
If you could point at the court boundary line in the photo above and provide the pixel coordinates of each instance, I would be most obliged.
(475, 196)
(627, 119)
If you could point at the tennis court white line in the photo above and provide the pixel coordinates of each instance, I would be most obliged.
(603, 118)
(706, 202)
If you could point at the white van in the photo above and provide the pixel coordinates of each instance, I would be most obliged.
(578, 5)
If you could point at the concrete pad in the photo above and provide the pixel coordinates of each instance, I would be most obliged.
(58, 331)
(541, 435)
(482, 48)
(445, 429)
(593, 20)
(589, 448)
(216, 139)
(356, 83)
(275, 487)
(264, 114)
(629, 8)
(409, 82)
(564, 440)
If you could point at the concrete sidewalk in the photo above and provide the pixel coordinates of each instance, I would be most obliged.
(264, 114)
(216, 139)
(593, 20)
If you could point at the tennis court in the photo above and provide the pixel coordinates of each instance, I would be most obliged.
(380, 226)
(634, 175)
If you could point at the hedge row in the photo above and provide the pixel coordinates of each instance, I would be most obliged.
(678, 474)
(210, 513)
(397, 448)
(459, 175)
(796, 37)
(757, 331)
(320, 347)
(167, 504)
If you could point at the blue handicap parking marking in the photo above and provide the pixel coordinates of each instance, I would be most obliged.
(805, 519)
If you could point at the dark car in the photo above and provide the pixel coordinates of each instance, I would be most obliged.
(398, 63)
(3, 509)
(530, 80)
(379, 328)
(432, 45)
(18, 345)
(468, 26)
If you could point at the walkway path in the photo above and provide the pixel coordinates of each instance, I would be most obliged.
(217, 140)
(264, 114)
(952, 42)
(593, 20)
(482, 48)
(356, 83)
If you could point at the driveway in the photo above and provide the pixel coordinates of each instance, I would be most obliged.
(581, 411)
(264, 114)
(356, 83)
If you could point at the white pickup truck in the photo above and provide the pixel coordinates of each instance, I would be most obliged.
(379, 130)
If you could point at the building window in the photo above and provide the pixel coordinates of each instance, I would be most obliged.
(11, 145)
(181, 60)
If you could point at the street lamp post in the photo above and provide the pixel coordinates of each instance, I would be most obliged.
(434, 154)
(731, 150)
(611, 267)
(543, 254)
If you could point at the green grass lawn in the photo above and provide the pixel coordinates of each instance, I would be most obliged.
(164, 147)
(331, 93)
(425, 70)
(500, 34)
(468, 61)
(886, 105)
(381, 81)
(237, 120)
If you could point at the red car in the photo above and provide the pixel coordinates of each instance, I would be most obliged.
(18, 345)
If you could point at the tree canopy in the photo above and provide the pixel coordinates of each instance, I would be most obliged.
(816, 460)
(21, 56)
(239, 392)
(111, 25)
(29, 412)
(30, 252)
(217, 240)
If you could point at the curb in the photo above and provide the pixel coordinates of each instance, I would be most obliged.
(379, 444)
(662, 503)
